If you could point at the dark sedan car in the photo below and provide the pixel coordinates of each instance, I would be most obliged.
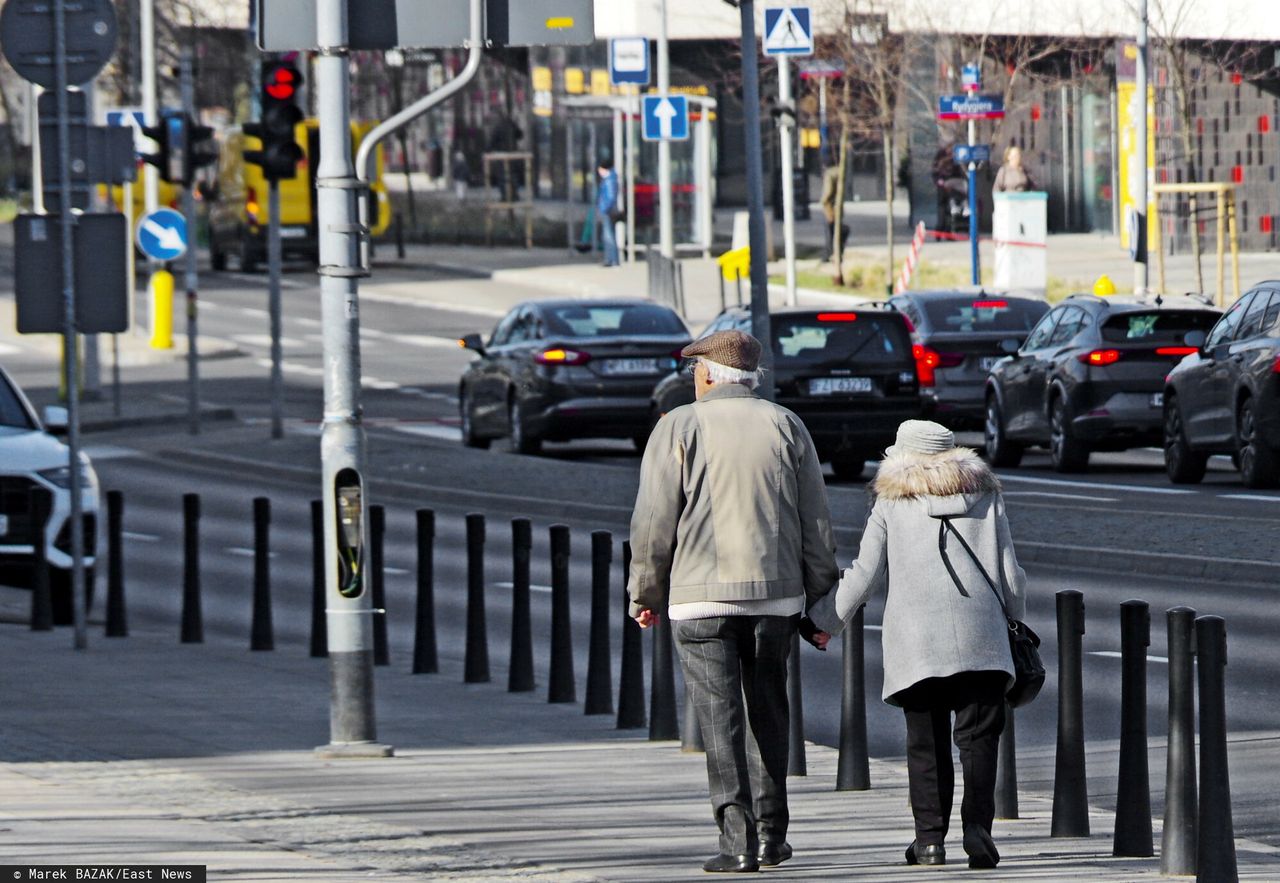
(1225, 397)
(565, 369)
(848, 374)
(1089, 377)
(958, 336)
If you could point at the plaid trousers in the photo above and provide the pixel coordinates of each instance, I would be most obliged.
(726, 660)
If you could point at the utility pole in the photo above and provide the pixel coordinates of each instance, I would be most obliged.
(786, 125)
(352, 728)
(755, 192)
(1138, 246)
(192, 276)
(666, 235)
(147, 27)
(974, 260)
(273, 307)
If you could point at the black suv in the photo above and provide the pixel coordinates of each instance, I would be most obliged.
(1225, 397)
(849, 374)
(1090, 377)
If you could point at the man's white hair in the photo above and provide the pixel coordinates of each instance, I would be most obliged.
(718, 373)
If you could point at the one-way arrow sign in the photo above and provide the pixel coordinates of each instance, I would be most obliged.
(666, 118)
(162, 235)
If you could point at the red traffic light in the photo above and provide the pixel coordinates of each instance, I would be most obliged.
(281, 83)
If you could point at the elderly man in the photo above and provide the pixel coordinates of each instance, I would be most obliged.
(731, 533)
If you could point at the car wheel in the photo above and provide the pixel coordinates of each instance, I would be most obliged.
(999, 450)
(60, 594)
(519, 441)
(1258, 463)
(849, 465)
(1067, 452)
(469, 437)
(1183, 465)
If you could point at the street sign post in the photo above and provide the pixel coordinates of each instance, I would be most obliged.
(970, 107)
(788, 30)
(629, 61)
(162, 235)
(665, 118)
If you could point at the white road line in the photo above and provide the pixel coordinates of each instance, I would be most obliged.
(254, 312)
(308, 323)
(264, 340)
(140, 537)
(533, 587)
(395, 571)
(375, 383)
(430, 430)
(262, 280)
(242, 552)
(1265, 498)
(1059, 496)
(110, 452)
(378, 297)
(1116, 654)
(1095, 485)
(426, 340)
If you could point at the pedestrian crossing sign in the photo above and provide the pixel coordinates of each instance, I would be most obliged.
(788, 30)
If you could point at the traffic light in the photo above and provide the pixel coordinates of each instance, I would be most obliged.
(280, 153)
(200, 150)
(168, 136)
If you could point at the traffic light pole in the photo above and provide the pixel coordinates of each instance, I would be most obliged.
(348, 611)
(192, 276)
(273, 306)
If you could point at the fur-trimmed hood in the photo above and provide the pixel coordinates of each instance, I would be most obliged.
(957, 472)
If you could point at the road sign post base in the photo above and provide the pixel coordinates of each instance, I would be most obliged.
(353, 750)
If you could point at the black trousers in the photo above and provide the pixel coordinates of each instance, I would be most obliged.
(727, 659)
(977, 700)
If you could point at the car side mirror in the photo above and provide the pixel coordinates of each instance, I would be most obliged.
(1010, 346)
(471, 342)
(55, 419)
(1195, 338)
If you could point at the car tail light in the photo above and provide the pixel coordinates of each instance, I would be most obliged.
(559, 356)
(837, 317)
(991, 305)
(1175, 350)
(929, 359)
(1275, 366)
(1100, 358)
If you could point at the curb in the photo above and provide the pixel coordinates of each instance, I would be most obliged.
(106, 424)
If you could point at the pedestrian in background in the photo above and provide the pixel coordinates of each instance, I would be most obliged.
(938, 537)
(607, 210)
(831, 197)
(731, 535)
(1013, 177)
(461, 172)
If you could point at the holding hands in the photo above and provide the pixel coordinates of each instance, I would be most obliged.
(813, 634)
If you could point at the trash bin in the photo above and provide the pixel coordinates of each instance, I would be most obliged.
(1018, 231)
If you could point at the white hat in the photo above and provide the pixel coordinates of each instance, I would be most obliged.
(921, 437)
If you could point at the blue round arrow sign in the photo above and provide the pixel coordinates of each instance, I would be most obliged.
(162, 234)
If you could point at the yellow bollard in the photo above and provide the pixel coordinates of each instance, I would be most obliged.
(162, 310)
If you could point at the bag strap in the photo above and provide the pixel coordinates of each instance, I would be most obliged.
(943, 527)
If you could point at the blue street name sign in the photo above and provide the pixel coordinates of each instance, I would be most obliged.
(788, 30)
(666, 117)
(971, 77)
(629, 61)
(967, 153)
(970, 107)
(162, 235)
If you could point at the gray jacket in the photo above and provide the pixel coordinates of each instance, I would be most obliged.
(931, 629)
(731, 506)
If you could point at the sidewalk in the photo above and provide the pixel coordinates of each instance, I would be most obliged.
(144, 750)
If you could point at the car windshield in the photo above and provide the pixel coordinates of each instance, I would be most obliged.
(1156, 326)
(970, 314)
(840, 337)
(11, 411)
(583, 320)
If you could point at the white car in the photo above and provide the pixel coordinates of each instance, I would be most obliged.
(31, 456)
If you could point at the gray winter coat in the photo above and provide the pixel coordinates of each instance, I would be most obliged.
(931, 629)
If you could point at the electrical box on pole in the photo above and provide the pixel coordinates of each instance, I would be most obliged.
(280, 153)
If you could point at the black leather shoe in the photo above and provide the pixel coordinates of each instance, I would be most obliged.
(980, 847)
(932, 854)
(772, 854)
(740, 864)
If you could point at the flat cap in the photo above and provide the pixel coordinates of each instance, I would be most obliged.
(733, 349)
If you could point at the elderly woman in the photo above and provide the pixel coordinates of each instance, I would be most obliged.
(938, 536)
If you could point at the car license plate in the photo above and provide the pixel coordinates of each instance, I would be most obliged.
(989, 362)
(293, 232)
(825, 386)
(4, 524)
(1157, 400)
(629, 367)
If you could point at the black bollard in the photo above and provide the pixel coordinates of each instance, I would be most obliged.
(853, 771)
(520, 675)
(560, 685)
(1178, 842)
(261, 632)
(319, 621)
(599, 680)
(662, 695)
(476, 661)
(117, 616)
(377, 579)
(1133, 836)
(1070, 792)
(1216, 845)
(40, 505)
(192, 620)
(425, 660)
(797, 764)
(1007, 769)
(690, 727)
(631, 713)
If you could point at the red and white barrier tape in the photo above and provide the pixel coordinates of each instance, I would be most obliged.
(913, 258)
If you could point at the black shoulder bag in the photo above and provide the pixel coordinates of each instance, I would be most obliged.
(1028, 669)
